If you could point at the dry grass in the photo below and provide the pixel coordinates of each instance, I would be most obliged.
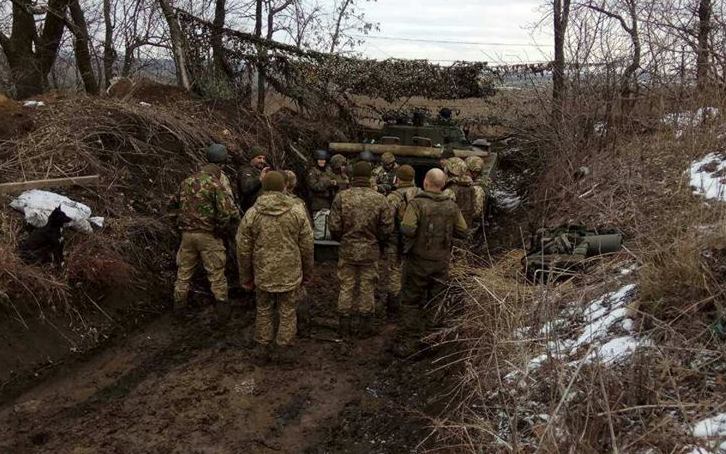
(637, 183)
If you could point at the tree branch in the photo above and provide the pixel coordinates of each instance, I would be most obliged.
(611, 15)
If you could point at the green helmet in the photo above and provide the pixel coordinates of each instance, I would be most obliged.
(216, 153)
(366, 155)
(388, 158)
(475, 163)
(455, 167)
(338, 161)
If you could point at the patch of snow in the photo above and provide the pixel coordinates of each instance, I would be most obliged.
(711, 427)
(628, 325)
(599, 328)
(708, 182)
(625, 271)
(506, 199)
(682, 120)
(600, 128)
(617, 349)
(34, 104)
(552, 326)
(37, 206)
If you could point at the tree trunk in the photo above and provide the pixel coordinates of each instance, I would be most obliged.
(705, 11)
(109, 52)
(177, 46)
(561, 16)
(83, 54)
(338, 23)
(31, 57)
(260, 60)
(218, 53)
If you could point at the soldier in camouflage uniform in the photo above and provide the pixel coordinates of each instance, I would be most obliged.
(398, 200)
(460, 189)
(206, 212)
(321, 182)
(385, 173)
(248, 182)
(339, 167)
(429, 224)
(361, 220)
(275, 253)
(475, 164)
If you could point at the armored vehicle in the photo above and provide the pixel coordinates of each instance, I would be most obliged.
(418, 142)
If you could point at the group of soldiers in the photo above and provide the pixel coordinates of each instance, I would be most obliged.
(379, 216)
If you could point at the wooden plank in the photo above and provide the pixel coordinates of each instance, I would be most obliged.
(89, 180)
(401, 150)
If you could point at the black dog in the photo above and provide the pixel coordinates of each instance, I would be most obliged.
(45, 244)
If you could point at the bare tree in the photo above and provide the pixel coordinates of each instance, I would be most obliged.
(705, 11)
(177, 38)
(109, 51)
(30, 53)
(561, 15)
(81, 45)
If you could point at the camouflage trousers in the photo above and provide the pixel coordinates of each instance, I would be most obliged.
(361, 277)
(264, 322)
(423, 279)
(392, 273)
(204, 247)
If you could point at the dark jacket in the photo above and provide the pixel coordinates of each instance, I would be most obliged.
(429, 225)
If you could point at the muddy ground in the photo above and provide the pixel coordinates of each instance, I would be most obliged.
(184, 387)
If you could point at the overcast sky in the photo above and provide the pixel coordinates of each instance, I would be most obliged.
(490, 22)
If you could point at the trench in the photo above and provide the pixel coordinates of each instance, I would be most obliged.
(185, 387)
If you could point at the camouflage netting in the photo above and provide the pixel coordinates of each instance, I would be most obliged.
(310, 77)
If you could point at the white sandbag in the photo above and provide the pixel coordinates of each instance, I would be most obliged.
(37, 206)
(320, 225)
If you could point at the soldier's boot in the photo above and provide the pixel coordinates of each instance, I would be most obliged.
(381, 305)
(355, 325)
(345, 331)
(369, 326)
(180, 307)
(283, 354)
(393, 305)
(344, 327)
(222, 312)
(407, 341)
(261, 354)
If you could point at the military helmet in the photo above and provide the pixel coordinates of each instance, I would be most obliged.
(455, 167)
(405, 173)
(256, 151)
(321, 155)
(362, 169)
(338, 161)
(475, 163)
(388, 158)
(366, 155)
(216, 153)
(273, 181)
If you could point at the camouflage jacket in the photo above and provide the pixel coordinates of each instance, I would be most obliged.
(249, 185)
(361, 220)
(462, 191)
(429, 225)
(342, 180)
(204, 202)
(398, 201)
(322, 187)
(275, 243)
(385, 179)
